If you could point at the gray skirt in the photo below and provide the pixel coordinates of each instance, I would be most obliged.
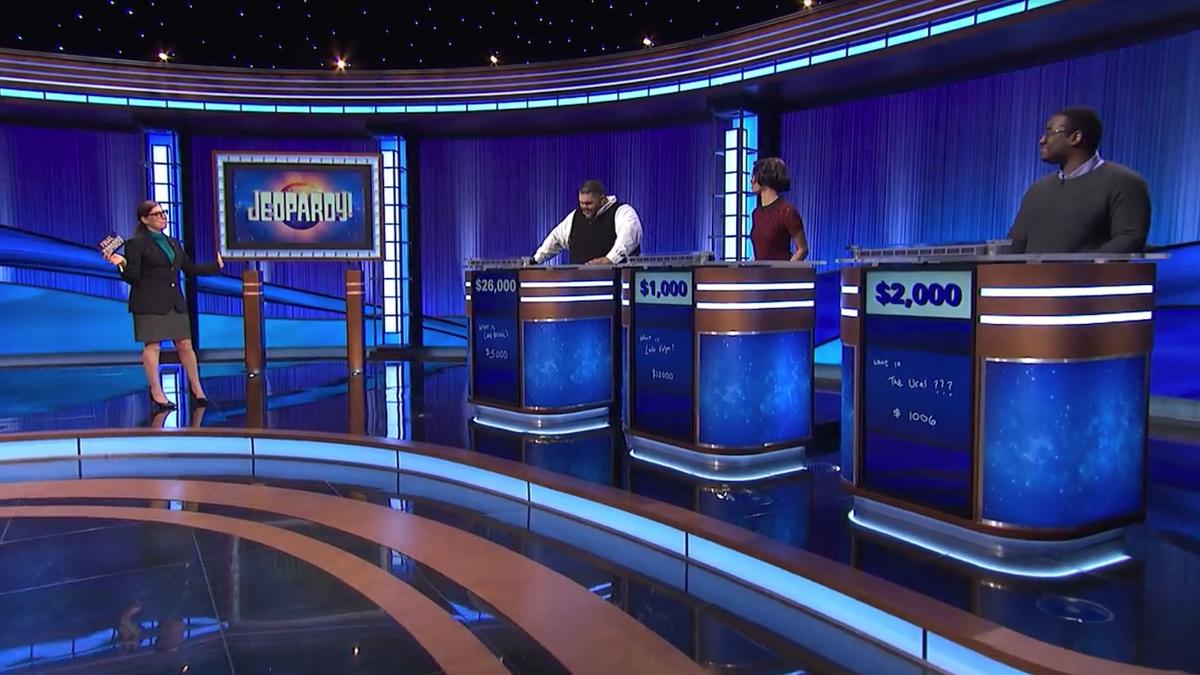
(158, 327)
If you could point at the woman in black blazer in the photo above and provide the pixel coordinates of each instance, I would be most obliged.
(151, 267)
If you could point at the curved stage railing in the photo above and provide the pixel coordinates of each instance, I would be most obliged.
(807, 38)
(899, 619)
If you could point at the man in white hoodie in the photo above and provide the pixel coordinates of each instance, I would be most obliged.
(601, 231)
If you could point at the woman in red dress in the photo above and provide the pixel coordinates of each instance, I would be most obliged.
(776, 222)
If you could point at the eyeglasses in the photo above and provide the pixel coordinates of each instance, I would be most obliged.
(158, 214)
(1050, 133)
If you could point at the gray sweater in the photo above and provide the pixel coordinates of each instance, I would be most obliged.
(1106, 210)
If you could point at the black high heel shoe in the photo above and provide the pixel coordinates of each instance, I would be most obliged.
(160, 407)
(200, 401)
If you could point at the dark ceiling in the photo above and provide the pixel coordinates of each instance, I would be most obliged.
(370, 35)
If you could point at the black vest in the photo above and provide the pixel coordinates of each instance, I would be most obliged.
(591, 239)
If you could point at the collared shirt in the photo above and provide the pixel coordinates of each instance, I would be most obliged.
(1083, 169)
(629, 234)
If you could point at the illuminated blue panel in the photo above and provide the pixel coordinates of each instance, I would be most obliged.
(661, 362)
(326, 452)
(69, 98)
(391, 108)
(185, 105)
(461, 473)
(494, 357)
(422, 108)
(792, 64)
(848, 398)
(758, 72)
(1034, 4)
(568, 363)
(755, 389)
(58, 447)
(225, 107)
(543, 103)
(602, 98)
(636, 93)
(632, 555)
(360, 109)
(451, 107)
(162, 445)
(910, 36)
(573, 100)
(954, 658)
(694, 84)
(824, 57)
(147, 103)
(1063, 443)
(472, 107)
(865, 47)
(724, 79)
(22, 93)
(108, 100)
(511, 105)
(326, 109)
(250, 107)
(166, 467)
(631, 525)
(952, 25)
(807, 593)
(668, 89)
(1000, 12)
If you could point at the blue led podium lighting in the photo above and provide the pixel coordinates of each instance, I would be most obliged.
(725, 476)
(779, 286)
(781, 304)
(1064, 320)
(954, 658)
(770, 63)
(629, 524)
(568, 298)
(850, 313)
(559, 430)
(566, 284)
(1031, 569)
(852, 290)
(1066, 291)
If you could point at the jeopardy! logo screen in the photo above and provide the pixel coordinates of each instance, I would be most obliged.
(291, 209)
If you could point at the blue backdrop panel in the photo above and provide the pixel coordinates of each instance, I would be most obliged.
(72, 184)
(499, 197)
(46, 321)
(950, 163)
(1063, 443)
(755, 389)
(568, 363)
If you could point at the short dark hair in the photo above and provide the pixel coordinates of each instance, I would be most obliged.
(1087, 123)
(771, 172)
(592, 187)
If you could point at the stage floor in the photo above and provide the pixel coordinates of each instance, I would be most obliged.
(145, 596)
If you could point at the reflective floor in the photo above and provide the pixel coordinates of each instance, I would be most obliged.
(1141, 612)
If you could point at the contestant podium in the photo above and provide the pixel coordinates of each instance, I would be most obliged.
(541, 343)
(719, 365)
(997, 401)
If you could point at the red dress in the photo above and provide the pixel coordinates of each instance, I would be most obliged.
(774, 227)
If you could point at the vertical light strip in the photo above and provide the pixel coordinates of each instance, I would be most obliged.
(163, 182)
(398, 378)
(739, 151)
(396, 310)
(170, 378)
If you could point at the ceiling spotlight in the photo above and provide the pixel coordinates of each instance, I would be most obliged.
(808, 4)
(164, 56)
(647, 42)
(341, 64)
(494, 60)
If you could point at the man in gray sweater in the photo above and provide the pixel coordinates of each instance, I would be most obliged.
(1089, 205)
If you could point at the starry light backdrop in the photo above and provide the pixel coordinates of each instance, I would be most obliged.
(1063, 442)
(373, 35)
(568, 363)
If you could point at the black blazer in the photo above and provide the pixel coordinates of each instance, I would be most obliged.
(154, 280)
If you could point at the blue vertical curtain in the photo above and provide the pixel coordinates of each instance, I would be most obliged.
(497, 198)
(950, 163)
(72, 184)
(318, 277)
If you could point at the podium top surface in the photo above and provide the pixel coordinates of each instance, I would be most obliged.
(700, 259)
(995, 251)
